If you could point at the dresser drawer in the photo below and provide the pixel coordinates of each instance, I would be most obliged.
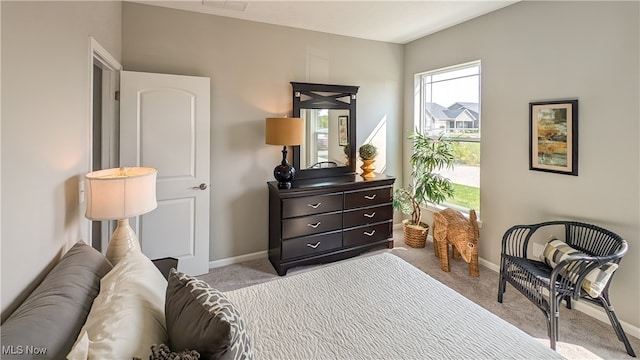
(309, 205)
(310, 245)
(366, 234)
(370, 215)
(368, 197)
(313, 224)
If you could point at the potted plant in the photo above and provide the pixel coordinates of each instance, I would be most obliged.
(428, 157)
(368, 154)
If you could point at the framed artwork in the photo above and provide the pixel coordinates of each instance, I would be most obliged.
(343, 130)
(553, 136)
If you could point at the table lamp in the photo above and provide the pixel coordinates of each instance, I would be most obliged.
(118, 194)
(284, 131)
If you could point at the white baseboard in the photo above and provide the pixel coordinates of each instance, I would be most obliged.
(488, 264)
(238, 259)
(583, 307)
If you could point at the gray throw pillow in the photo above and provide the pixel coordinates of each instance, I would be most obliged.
(201, 318)
(51, 317)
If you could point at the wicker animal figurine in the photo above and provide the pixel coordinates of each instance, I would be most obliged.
(451, 227)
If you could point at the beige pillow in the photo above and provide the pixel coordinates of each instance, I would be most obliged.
(127, 317)
(557, 250)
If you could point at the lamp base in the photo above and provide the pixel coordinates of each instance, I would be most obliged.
(284, 172)
(122, 240)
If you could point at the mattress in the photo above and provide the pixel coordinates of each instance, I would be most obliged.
(375, 307)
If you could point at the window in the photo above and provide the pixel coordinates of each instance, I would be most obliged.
(448, 103)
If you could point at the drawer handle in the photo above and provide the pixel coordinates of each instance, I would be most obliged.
(314, 225)
(370, 215)
(313, 246)
(315, 206)
(370, 197)
(371, 233)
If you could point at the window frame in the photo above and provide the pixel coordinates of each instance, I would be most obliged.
(420, 111)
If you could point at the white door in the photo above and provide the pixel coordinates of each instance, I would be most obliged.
(164, 124)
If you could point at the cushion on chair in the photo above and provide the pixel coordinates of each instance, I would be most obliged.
(556, 251)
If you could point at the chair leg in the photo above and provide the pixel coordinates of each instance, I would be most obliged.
(548, 318)
(606, 304)
(554, 315)
(567, 299)
(502, 284)
(552, 332)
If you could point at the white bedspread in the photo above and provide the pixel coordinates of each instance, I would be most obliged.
(376, 307)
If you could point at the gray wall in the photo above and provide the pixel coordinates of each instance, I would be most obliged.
(250, 65)
(45, 130)
(535, 51)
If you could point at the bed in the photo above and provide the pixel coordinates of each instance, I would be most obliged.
(379, 307)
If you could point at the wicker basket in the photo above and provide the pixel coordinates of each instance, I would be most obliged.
(415, 236)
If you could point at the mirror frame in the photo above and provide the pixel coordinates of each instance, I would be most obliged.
(323, 96)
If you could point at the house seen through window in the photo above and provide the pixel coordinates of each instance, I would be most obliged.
(448, 103)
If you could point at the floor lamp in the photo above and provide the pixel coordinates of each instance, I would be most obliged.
(118, 194)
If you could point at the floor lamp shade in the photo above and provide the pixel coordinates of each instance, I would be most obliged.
(284, 131)
(118, 194)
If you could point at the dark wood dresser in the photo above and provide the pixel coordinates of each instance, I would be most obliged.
(328, 219)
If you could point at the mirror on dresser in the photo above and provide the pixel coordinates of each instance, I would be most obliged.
(329, 113)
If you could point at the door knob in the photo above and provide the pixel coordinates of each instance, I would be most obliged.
(202, 186)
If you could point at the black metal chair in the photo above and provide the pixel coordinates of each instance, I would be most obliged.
(547, 287)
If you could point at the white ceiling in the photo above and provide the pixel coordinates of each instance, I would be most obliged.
(390, 21)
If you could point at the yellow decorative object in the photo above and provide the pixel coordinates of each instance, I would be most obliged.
(368, 168)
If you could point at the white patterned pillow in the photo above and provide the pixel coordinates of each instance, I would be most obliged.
(201, 318)
(556, 251)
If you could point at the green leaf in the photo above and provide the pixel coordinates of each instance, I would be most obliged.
(429, 157)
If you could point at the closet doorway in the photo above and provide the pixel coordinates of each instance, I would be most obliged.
(105, 129)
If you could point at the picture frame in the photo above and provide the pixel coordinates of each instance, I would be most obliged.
(343, 130)
(553, 136)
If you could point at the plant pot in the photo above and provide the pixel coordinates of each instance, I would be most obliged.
(368, 168)
(415, 236)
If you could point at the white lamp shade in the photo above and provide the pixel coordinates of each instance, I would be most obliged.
(120, 193)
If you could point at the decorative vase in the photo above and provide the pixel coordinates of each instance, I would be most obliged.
(368, 168)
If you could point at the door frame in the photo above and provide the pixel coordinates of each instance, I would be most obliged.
(111, 67)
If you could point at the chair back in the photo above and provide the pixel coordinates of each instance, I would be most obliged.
(594, 240)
